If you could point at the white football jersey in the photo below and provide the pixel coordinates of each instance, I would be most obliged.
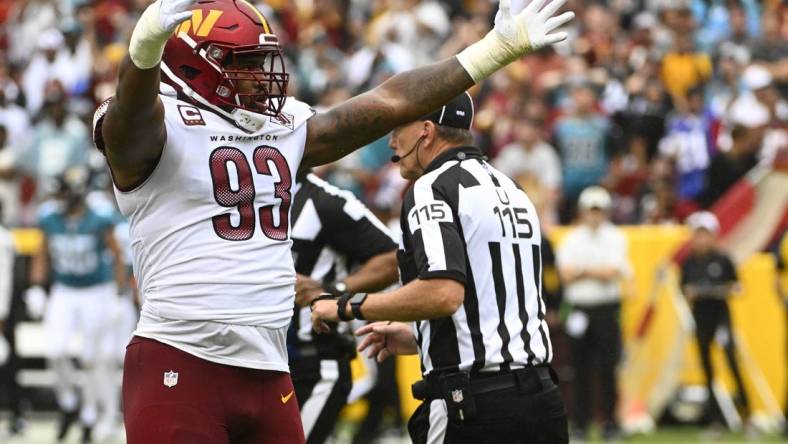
(210, 229)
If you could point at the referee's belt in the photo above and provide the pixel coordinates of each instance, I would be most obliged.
(525, 380)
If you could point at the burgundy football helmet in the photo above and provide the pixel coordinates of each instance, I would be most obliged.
(226, 57)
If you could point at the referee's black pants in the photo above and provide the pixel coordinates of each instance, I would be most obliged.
(713, 316)
(598, 346)
(506, 416)
(322, 387)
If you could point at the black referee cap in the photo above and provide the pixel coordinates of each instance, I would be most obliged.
(458, 113)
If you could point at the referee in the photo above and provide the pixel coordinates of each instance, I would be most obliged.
(339, 246)
(471, 264)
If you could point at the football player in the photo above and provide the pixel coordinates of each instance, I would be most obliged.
(204, 168)
(75, 241)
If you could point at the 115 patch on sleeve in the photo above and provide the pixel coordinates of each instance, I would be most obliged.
(436, 211)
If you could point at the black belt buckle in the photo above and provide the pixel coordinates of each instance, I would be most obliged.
(455, 389)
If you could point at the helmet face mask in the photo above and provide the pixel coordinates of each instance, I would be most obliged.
(230, 62)
(73, 186)
(253, 78)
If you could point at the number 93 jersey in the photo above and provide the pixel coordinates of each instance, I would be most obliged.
(210, 229)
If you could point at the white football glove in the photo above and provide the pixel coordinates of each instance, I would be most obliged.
(153, 29)
(36, 301)
(172, 13)
(514, 36)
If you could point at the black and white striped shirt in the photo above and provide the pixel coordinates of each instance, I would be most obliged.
(333, 233)
(466, 221)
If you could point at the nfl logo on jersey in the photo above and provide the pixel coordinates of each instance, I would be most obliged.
(170, 378)
(456, 396)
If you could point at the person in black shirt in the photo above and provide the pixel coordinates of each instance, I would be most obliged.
(339, 247)
(708, 278)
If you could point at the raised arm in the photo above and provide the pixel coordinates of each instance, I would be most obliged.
(133, 130)
(369, 116)
(412, 94)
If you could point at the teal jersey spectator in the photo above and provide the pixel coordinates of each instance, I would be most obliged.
(583, 144)
(77, 247)
(55, 148)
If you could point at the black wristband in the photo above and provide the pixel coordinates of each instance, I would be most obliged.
(342, 307)
(355, 305)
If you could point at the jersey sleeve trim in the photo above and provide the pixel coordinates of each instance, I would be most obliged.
(444, 274)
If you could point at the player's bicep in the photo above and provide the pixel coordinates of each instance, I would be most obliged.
(346, 127)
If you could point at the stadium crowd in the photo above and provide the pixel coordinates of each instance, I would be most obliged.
(666, 103)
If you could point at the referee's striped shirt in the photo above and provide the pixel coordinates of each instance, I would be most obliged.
(466, 221)
(333, 233)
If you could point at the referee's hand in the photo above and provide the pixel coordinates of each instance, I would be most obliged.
(384, 339)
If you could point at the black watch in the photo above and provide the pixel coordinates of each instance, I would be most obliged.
(342, 307)
(355, 305)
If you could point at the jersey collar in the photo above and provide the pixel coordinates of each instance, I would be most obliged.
(458, 153)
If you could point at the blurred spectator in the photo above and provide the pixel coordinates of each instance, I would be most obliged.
(74, 60)
(727, 168)
(584, 139)
(771, 47)
(535, 165)
(760, 82)
(28, 20)
(43, 69)
(708, 278)
(416, 26)
(688, 144)
(59, 141)
(683, 69)
(724, 88)
(592, 261)
(645, 116)
(9, 182)
(14, 118)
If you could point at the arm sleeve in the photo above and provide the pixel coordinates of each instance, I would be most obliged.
(356, 232)
(431, 222)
